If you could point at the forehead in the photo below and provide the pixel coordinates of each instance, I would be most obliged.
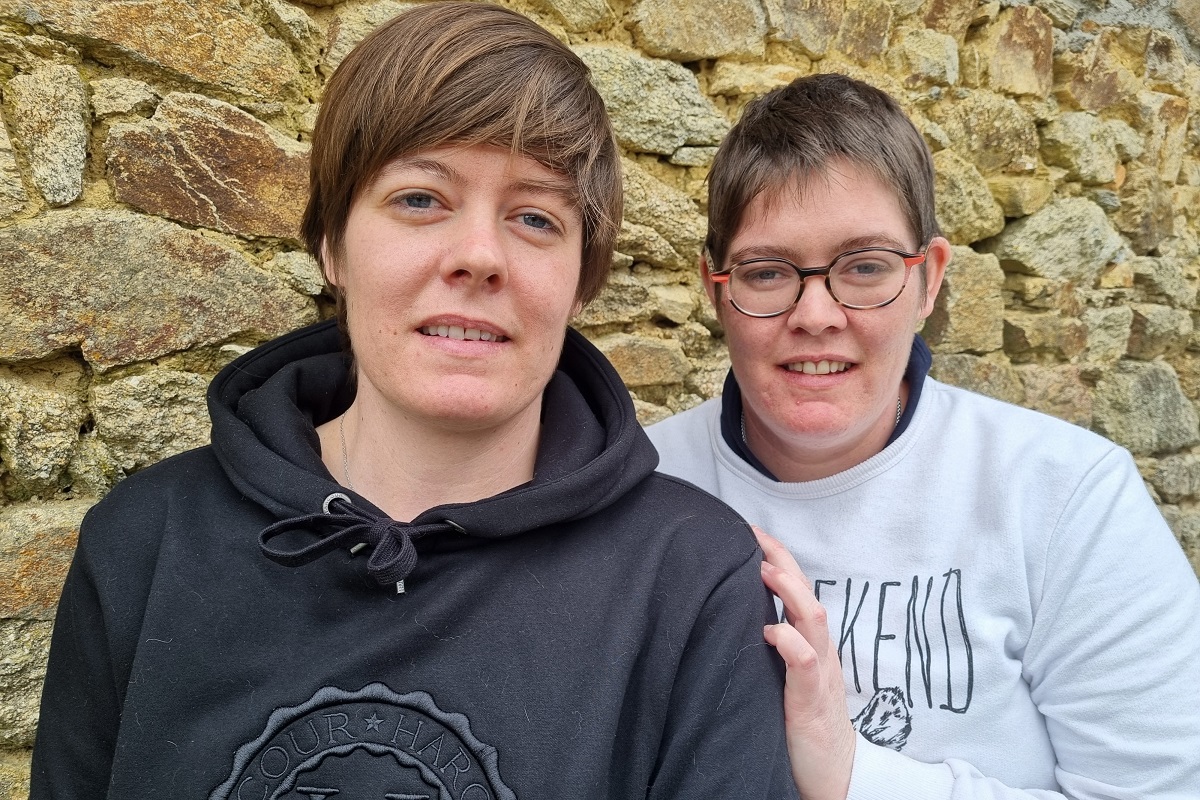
(844, 203)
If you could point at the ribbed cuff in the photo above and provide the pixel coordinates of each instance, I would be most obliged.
(881, 773)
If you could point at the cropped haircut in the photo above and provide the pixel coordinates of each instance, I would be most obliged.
(799, 132)
(463, 74)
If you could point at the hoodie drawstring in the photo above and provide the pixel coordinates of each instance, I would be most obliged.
(393, 555)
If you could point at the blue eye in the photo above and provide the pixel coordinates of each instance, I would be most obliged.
(537, 221)
(418, 201)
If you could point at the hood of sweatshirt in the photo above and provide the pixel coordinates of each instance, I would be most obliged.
(265, 407)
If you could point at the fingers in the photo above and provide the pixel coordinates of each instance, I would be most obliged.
(783, 576)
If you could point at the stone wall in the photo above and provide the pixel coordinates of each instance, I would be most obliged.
(153, 168)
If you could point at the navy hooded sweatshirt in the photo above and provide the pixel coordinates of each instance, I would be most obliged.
(594, 633)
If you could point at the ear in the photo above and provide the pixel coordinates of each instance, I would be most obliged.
(327, 266)
(937, 258)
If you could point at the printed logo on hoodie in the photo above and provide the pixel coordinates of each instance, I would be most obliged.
(370, 744)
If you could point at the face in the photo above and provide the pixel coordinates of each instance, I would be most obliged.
(820, 382)
(459, 270)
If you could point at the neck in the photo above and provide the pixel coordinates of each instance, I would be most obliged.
(406, 466)
(810, 457)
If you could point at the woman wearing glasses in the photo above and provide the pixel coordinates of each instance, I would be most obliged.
(991, 605)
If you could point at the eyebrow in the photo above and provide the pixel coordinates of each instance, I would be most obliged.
(845, 245)
(563, 189)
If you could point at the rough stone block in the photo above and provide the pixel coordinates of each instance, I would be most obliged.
(1158, 331)
(51, 124)
(12, 191)
(351, 24)
(1094, 79)
(656, 105)
(926, 58)
(1107, 333)
(1019, 48)
(41, 411)
(1185, 524)
(209, 42)
(1188, 12)
(950, 17)
(966, 210)
(989, 375)
(807, 26)
(127, 288)
(27, 53)
(112, 96)
(297, 28)
(1177, 477)
(863, 34)
(147, 417)
(643, 243)
(1062, 13)
(14, 773)
(730, 79)
(1164, 120)
(624, 299)
(653, 204)
(1068, 240)
(642, 361)
(1129, 142)
(1029, 336)
(1058, 391)
(580, 15)
(1139, 405)
(206, 163)
(1163, 280)
(1166, 63)
(1082, 144)
(969, 313)
(1145, 214)
(1020, 196)
(990, 130)
(300, 270)
(674, 302)
(686, 31)
(649, 413)
(25, 645)
(37, 542)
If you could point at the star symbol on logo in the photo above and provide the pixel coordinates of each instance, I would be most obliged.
(373, 722)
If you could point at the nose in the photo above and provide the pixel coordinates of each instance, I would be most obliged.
(476, 256)
(816, 311)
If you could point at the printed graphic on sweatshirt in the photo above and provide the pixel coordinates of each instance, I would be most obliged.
(371, 744)
(903, 643)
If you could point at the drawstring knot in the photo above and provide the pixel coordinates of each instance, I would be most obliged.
(393, 553)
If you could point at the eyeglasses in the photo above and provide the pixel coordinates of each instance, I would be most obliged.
(868, 278)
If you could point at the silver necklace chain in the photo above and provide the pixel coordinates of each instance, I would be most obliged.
(346, 459)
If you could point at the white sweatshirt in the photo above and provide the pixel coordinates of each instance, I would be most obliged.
(1015, 620)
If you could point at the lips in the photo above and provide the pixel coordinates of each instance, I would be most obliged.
(822, 367)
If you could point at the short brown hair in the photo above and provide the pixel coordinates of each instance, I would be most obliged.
(798, 132)
(463, 73)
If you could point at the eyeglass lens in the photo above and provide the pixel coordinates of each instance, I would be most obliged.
(867, 278)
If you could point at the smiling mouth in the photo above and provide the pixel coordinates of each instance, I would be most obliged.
(457, 332)
(818, 367)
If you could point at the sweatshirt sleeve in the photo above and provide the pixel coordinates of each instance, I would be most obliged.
(95, 637)
(80, 711)
(1113, 661)
(724, 735)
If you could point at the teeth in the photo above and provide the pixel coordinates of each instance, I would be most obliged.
(818, 367)
(459, 332)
